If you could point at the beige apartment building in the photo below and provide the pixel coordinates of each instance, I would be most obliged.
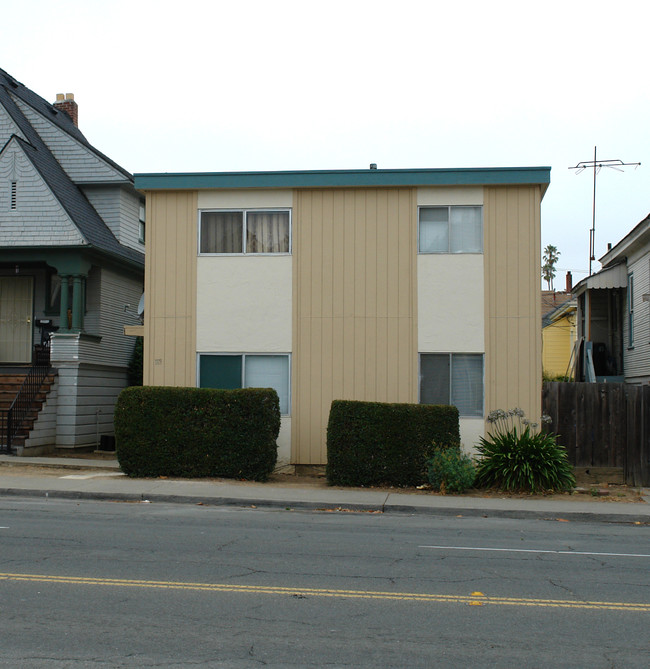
(416, 285)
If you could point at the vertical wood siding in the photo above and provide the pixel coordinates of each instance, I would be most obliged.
(513, 339)
(170, 289)
(355, 303)
(602, 425)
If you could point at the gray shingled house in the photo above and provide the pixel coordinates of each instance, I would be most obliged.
(71, 275)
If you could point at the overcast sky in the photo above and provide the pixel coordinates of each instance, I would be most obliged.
(220, 85)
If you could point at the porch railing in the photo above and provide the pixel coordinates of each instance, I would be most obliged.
(12, 418)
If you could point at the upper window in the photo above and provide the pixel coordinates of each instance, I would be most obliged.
(453, 378)
(247, 371)
(450, 230)
(245, 231)
(141, 224)
(630, 310)
(14, 194)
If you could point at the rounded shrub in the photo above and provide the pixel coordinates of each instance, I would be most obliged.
(450, 470)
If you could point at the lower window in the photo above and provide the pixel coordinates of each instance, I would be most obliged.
(453, 378)
(246, 371)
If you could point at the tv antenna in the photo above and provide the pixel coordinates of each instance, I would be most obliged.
(597, 165)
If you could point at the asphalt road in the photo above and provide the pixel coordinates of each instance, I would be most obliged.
(93, 584)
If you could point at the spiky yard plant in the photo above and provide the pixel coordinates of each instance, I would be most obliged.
(517, 457)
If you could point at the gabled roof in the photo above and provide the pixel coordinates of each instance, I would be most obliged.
(56, 116)
(84, 216)
(551, 299)
(635, 239)
(563, 309)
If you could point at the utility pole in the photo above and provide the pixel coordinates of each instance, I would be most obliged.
(597, 165)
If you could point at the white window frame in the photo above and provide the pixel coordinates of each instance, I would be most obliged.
(141, 224)
(630, 310)
(449, 209)
(243, 356)
(245, 213)
(451, 376)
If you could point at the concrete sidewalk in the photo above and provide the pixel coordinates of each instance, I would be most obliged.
(73, 478)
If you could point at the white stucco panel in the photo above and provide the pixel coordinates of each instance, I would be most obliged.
(451, 303)
(471, 430)
(284, 443)
(444, 195)
(244, 304)
(244, 199)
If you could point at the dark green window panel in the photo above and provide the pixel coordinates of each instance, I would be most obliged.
(220, 371)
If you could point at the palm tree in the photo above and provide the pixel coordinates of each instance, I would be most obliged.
(550, 257)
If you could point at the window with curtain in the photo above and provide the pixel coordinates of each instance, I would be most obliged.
(247, 371)
(453, 229)
(245, 231)
(453, 378)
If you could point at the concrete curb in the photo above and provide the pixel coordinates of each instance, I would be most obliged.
(300, 505)
(60, 463)
(190, 499)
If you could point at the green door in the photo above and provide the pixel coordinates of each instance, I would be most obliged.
(16, 329)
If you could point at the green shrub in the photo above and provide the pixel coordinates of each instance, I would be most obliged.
(375, 443)
(450, 470)
(516, 457)
(197, 432)
(547, 377)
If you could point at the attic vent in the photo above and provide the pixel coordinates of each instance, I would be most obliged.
(14, 190)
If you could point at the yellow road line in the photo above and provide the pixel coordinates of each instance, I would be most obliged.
(473, 599)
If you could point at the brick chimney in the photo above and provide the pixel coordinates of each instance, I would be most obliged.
(67, 104)
(569, 282)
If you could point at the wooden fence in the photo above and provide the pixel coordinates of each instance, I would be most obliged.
(602, 425)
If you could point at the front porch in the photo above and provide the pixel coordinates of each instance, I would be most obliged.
(69, 314)
(601, 301)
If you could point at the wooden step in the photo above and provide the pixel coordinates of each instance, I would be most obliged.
(10, 384)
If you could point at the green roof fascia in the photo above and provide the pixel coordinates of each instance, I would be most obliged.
(479, 176)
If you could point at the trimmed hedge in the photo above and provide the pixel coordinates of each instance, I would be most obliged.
(375, 443)
(196, 432)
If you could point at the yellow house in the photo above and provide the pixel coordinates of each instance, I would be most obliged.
(419, 285)
(558, 339)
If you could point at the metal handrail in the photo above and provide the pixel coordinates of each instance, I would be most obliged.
(12, 418)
